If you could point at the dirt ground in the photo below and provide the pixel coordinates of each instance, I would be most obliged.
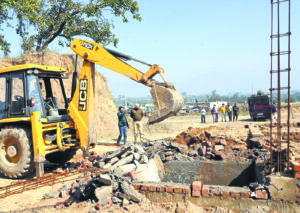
(169, 128)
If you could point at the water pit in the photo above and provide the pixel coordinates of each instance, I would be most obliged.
(230, 172)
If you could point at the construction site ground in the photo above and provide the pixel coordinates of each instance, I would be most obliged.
(169, 128)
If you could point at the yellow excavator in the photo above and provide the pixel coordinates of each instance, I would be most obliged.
(35, 127)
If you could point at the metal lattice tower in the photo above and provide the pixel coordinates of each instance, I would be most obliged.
(280, 67)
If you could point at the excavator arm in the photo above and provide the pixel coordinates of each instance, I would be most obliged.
(167, 100)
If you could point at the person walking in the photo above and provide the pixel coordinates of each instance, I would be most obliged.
(235, 110)
(229, 112)
(137, 114)
(223, 112)
(213, 112)
(123, 124)
(203, 114)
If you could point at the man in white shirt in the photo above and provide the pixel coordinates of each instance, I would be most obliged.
(203, 113)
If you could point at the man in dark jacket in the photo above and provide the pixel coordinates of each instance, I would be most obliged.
(235, 110)
(137, 114)
(123, 125)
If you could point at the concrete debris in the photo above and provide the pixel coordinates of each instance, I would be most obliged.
(103, 194)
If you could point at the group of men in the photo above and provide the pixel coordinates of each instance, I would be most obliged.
(225, 110)
(136, 114)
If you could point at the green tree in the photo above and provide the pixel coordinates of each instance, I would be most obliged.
(42, 22)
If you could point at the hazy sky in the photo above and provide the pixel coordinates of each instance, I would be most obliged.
(202, 45)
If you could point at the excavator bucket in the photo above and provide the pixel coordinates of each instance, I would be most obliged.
(167, 102)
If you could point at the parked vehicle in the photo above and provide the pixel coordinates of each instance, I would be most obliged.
(259, 106)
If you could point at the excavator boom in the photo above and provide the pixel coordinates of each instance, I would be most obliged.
(166, 99)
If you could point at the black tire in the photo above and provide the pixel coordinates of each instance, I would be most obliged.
(61, 157)
(16, 154)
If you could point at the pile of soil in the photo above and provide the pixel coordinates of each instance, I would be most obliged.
(106, 119)
(213, 135)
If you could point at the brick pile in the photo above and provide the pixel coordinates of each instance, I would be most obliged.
(199, 190)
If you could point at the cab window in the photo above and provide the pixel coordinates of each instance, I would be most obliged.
(18, 106)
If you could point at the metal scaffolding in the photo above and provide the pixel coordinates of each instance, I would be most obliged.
(282, 65)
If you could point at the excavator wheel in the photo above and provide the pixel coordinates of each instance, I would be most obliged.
(16, 154)
(61, 157)
(167, 102)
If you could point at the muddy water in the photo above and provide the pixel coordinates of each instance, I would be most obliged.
(229, 172)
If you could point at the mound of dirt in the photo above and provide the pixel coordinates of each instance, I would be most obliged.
(232, 137)
(106, 119)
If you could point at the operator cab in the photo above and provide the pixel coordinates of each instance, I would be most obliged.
(28, 88)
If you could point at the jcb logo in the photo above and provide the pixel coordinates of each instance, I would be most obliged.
(83, 86)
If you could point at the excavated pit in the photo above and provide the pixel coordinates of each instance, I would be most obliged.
(230, 172)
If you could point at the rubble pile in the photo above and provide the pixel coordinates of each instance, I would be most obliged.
(111, 186)
(134, 163)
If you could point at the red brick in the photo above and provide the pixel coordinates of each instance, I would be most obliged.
(144, 188)
(178, 190)
(205, 190)
(225, 194)
(245, 194)
(259, 194)
(293, 133)
(160, 188)
(137, 187)
(215, 192)
(88, 164)
(186, 190)
(296, 167)
(197, 185)
(298, 133)
(196, 193)
(265, 194)
(152, 188)
(297, 137)
(297, 175)
(170, 189)
(235, 194)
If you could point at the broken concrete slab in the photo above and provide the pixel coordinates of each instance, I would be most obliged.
(160, 166)
(105, 178)
(109, 155)
(147, 172)
(130, 192)
(123, 161)
(282, 188)
(103, 194)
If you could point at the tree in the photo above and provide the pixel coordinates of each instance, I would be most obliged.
(40, 22)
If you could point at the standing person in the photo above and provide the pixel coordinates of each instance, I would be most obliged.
(203, 114)
(223, 112)
(229, 112)
(137, 114)
(213, 112)
(235, 110)
(123, 124)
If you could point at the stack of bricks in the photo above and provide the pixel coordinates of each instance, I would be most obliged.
(296, 168)
(294, 135)
(198, 190)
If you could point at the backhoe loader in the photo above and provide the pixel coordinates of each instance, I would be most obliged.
(34, 127)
